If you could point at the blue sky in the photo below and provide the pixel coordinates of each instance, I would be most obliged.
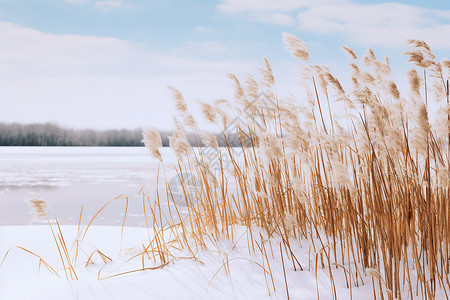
(103, 64)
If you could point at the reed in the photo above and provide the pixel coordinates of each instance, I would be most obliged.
(361, 175)
(368, 189)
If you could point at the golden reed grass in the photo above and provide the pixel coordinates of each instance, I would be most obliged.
(362, 174)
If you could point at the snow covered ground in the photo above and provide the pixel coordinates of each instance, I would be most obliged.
(182, 278)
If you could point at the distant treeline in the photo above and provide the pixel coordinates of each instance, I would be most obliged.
(51, 134)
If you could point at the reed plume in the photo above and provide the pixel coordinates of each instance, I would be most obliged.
(180, 104)
(239, 92)
(179, 142)
(38, 207)
(208, 112)
(350, 52)
(152, 141)
(267, 74)
(295, 46)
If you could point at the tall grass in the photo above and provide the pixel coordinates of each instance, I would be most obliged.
(361, 173)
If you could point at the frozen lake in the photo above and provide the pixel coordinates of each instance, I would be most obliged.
(70, 177)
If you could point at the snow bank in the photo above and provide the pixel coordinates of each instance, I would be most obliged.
(226, 271)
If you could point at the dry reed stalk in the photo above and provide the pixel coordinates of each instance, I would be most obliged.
(38, 207)
(41, 260)
(363, 191)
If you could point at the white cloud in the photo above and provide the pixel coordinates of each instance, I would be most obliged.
(88, 81)
(112, 4)
(382, 24)
(38, 52)
(379, 24)
(31, 53)
(273, 18)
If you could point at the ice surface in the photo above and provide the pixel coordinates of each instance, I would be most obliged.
(71, 177)
(62, 166)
